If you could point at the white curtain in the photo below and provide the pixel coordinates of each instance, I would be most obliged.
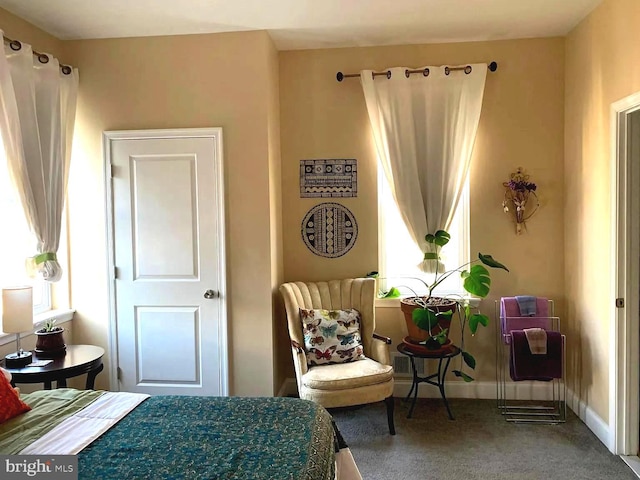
(424, 129)
(38, 108)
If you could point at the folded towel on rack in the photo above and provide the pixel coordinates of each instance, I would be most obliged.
(526, 305)
(509, 307)
(510, 318)
(523, 365)
(537, 340)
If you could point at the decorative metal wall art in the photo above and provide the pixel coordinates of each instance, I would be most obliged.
(329, 230)
(519, 195)
(325, 178)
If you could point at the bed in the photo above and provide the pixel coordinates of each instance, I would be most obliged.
(121, 435)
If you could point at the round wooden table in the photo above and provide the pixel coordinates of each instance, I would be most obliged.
(78, 359)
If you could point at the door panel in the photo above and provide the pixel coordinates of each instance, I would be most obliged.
(157, 360)
(168, 251)
(171, 178)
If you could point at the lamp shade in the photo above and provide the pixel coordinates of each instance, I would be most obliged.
(17, 309)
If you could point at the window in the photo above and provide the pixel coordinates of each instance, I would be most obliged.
(17, 242)
(399, 256)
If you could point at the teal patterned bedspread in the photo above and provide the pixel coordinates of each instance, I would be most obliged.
(175, 437)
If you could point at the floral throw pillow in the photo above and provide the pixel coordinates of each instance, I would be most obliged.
(331, 336)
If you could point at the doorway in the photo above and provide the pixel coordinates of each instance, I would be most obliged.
(624, 414)
(166, 256)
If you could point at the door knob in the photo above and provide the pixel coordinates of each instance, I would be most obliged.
(209, 294)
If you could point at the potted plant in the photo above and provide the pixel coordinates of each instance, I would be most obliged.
(429, 317)
(49, 341)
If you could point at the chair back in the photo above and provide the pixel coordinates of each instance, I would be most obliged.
(358, 293)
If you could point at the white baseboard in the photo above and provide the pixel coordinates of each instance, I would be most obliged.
(454, 389)
(591, 419)
(484, 390)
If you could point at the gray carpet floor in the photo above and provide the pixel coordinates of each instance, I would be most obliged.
(478, 444)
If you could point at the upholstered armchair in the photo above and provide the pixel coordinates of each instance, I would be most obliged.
(358, 382)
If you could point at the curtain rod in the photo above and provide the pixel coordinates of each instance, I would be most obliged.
(16, 45)
(493, 66)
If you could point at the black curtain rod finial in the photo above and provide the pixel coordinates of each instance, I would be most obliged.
(339, 76)
(493, 66)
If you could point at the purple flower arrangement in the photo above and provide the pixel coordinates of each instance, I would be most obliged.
(521, 185)
(516, 195)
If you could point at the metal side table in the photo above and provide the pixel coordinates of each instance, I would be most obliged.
(444, 357)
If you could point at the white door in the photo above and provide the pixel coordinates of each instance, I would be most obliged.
(168, 311)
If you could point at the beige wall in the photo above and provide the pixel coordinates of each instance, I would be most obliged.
(18, 29)
(521, 125)
(543, 87)
(602, 67)
(222, 80)
(229, 80)
(275, 204)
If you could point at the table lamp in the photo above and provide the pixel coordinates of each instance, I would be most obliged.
(17, 317)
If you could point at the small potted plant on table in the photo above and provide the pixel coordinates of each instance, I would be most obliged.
(49, 341)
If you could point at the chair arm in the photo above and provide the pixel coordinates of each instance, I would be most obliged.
(386, 340)
(380, 350)
(299, 360)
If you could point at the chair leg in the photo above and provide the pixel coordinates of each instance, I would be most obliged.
(390, 404)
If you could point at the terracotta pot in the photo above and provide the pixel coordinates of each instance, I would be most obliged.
(417, 335)
(50, 344)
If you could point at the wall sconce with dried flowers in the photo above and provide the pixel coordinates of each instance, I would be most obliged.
(519, 192)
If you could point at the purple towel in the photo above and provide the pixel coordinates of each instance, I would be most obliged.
(510, 318)
(509, 307)
(523, 365)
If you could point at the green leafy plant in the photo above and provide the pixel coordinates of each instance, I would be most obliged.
(49, 326)
(476, 281)
(393, 292)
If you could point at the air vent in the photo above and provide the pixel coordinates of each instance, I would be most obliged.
(402, 365)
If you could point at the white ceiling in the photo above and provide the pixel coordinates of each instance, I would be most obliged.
(300, 24)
